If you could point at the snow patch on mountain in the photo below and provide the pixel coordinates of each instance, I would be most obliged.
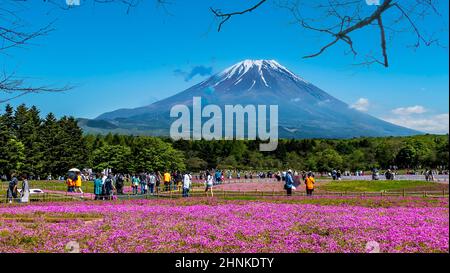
(241, 68)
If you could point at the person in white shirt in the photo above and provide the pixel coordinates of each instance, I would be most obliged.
(152, 182)
(104, 176)
(209, 184)
(186, 184)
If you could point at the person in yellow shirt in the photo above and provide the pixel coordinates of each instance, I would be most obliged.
(78, 184)
(167, 178)
(70, 185)
(309, 184)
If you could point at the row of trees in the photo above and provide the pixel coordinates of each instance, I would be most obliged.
(426, 151)
(39, 147)
(36, 146)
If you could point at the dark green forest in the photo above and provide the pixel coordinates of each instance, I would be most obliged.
(39, 146)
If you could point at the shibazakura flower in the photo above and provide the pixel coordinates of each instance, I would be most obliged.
(223, 226)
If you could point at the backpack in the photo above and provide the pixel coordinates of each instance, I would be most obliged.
(108, 184)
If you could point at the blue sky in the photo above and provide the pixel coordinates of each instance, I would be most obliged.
(124, 60)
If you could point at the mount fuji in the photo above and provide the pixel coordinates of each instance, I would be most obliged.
(305, 111)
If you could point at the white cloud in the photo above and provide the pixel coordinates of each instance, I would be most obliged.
(417, 109)
(362, 104)
(437, 124)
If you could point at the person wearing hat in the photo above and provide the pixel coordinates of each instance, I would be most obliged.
(289, 183)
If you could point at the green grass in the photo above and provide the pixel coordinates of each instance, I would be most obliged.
(377, 186)
(53, 185)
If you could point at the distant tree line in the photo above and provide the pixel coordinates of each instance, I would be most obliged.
(323, 155)
(39, 146)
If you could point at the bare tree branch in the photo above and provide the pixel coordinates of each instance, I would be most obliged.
(420, 38)
(383, 42)
(12, 37)
(226, 16)
(15, 34)
(13, 87)
(336, 19)
(351, 15)
(343, 33)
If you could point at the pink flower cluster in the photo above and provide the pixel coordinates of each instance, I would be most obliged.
(153, 226)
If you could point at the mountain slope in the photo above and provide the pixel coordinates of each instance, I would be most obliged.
(305, 111)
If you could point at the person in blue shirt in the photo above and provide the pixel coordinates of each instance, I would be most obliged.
(135, 183)
(98, 187)
(11, 192)
(218, 177)
(289, 183)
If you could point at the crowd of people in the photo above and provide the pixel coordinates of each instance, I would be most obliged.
(108, 185)
(221, 175)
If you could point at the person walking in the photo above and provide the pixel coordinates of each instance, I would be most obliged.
(167, 179)
(289, 183)
(104, 177)
(151, 182)
(11, 193)
(25, 193)
(78, 184)
(218, 177)
(209, 184)
(158, 181)
(186, 184)
(309, 184)
(134, 184)
(109, 187)
(71, 177)
(334, 174)
(98, 187)
(143, 183)
(431, 175)
(120, 181)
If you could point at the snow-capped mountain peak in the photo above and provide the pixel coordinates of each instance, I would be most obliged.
(262, 69)
(304, 109)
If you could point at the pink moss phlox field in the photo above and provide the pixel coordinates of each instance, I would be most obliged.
(199, 225)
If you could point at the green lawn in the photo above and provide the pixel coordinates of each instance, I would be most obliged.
(49, 185)
(376, 186)
(335, 186)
